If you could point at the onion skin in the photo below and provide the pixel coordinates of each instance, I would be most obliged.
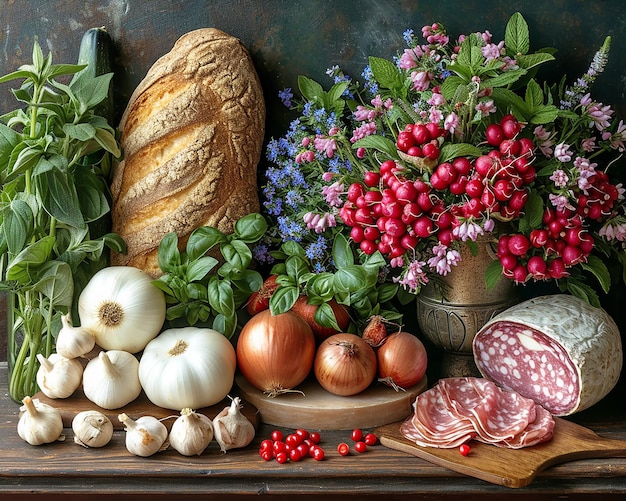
(275, 352)
(402, 360)
(307, 312)
(345, 364)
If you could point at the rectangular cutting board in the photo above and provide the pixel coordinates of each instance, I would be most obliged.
(511, 467)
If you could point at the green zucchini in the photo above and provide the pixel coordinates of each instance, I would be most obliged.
(95, 51)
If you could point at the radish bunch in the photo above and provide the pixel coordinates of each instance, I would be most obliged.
(394, 209)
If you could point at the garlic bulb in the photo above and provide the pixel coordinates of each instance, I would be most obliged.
(122, 308)
(74, 342)
(111, 380)
(187, 367)
(39, 423)
(231, 428)
(144, 437)
(92, 429)
(191, 433)
(57, 376)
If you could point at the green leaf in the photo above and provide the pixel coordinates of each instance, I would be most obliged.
(57, 193)
(30, 258)
(582, 291)
(91, 192)
(18, 225)
(310, 89)
(503, 79)
(80, 132)
(516, 36)
(200, 268)
(321, 285)
(529, 61)
(534, 94)
(325, 316)
(379, 143)
(168, 255)
(296, 266)
(386, 292)
(386, 73)
(250, 228)
(225, 325)
(493, 274)
(221, 296)
(202, 240)
(107, 141)
(450, 151)
(544, 115)
(237, 253)
(342, 252)
(8, 140)
(248, 282)
(283, 299)
(350, 279)
(597, 267)
(55, 282)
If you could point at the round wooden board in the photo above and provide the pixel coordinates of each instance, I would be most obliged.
(321, 410)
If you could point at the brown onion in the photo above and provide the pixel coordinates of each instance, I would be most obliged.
(402, 360)
(275, 352)
(345, 364)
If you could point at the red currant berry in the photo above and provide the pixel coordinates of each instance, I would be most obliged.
(370, 439)
(360, 446)
(357, 434)
(343, 449)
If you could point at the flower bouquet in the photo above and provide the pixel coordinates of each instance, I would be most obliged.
(377, 184)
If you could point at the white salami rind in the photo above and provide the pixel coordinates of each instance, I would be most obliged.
(558, 350)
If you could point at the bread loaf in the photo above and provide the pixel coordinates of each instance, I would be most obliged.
(192, 136)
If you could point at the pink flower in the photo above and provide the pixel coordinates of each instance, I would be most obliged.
(414, 277)
(588, 144)
(561, 202)
(331, 194)
(327, 176)
(436, 99)
(560, 178)
(367, 129)
(486, 107)
(468, 230)
(326, 145)
(444, 259)
(600, 115)
(362, 113)
(562, 152)
(451, 122)
(410, 58)
(544, 140)
(421, 80)
(492, 51)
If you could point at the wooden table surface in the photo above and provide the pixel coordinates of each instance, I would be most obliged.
(64, 470)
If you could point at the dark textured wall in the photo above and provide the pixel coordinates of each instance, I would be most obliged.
(291, 37)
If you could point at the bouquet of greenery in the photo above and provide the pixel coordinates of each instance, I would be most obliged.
(54, 162)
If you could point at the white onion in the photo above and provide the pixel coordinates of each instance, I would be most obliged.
(187, 367)
(122, 308)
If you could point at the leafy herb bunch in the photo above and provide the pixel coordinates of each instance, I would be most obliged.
(448, 142)
(54, 159)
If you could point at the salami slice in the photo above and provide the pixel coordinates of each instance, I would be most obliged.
(558, 350)
(457, 410)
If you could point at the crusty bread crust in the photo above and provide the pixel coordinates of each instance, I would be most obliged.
(192, 136)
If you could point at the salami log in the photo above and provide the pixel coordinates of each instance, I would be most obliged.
(558, 350)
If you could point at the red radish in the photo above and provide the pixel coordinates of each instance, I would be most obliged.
(518, 244)
(421, 134)
(371, 179)
(494, 134)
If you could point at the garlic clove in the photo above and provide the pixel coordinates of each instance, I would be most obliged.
(39, 423)
(58, 376)
(92, 429)
(231, 428)
(111, 380)
(74, 342)
(145, 436)
(191, 433)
